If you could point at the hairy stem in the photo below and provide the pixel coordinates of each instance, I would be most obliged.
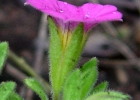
(20, 62)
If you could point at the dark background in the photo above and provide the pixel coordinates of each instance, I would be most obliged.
(115, 44)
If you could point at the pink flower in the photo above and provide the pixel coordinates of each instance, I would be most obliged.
(69, 15)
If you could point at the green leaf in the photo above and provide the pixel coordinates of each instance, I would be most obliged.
(3, 53)
(89, 77)
(14, 96)
(71, 89)
(100, 88)
(109, 95)
(36, 87)
(6, 88)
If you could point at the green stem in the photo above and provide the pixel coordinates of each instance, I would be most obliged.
(20, 62)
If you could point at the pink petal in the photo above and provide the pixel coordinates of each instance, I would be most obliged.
(90, 14)
(110, 17)
(40, 4)
(67, 10)
(89, 10)
(106, 9)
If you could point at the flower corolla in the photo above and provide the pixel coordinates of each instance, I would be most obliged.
(68, 15)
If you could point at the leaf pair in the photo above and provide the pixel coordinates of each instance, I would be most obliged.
(78, 85)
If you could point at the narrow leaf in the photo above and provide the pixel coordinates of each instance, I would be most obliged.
(14, 96)
(6, 88)
(89, 76)
(100, 88)
(36, 87)
(71, 89)
(3, 53)
(109, 95)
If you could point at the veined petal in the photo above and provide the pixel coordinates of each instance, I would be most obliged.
(105, 10)
(89, 10)
(110, 17)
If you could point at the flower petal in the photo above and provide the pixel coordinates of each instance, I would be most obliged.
(90, 10)
(110, 17)
(40, 4)
(89, 13)
(106, 9)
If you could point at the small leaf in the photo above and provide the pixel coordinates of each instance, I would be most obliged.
(71, 89)
(14, 96)
(3, 53)
(109, 95)
(100, 88)
(36, 87)
(89, 76)
(6, 88)
(90, 64)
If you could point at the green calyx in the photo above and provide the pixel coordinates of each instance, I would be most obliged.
(64, 53)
